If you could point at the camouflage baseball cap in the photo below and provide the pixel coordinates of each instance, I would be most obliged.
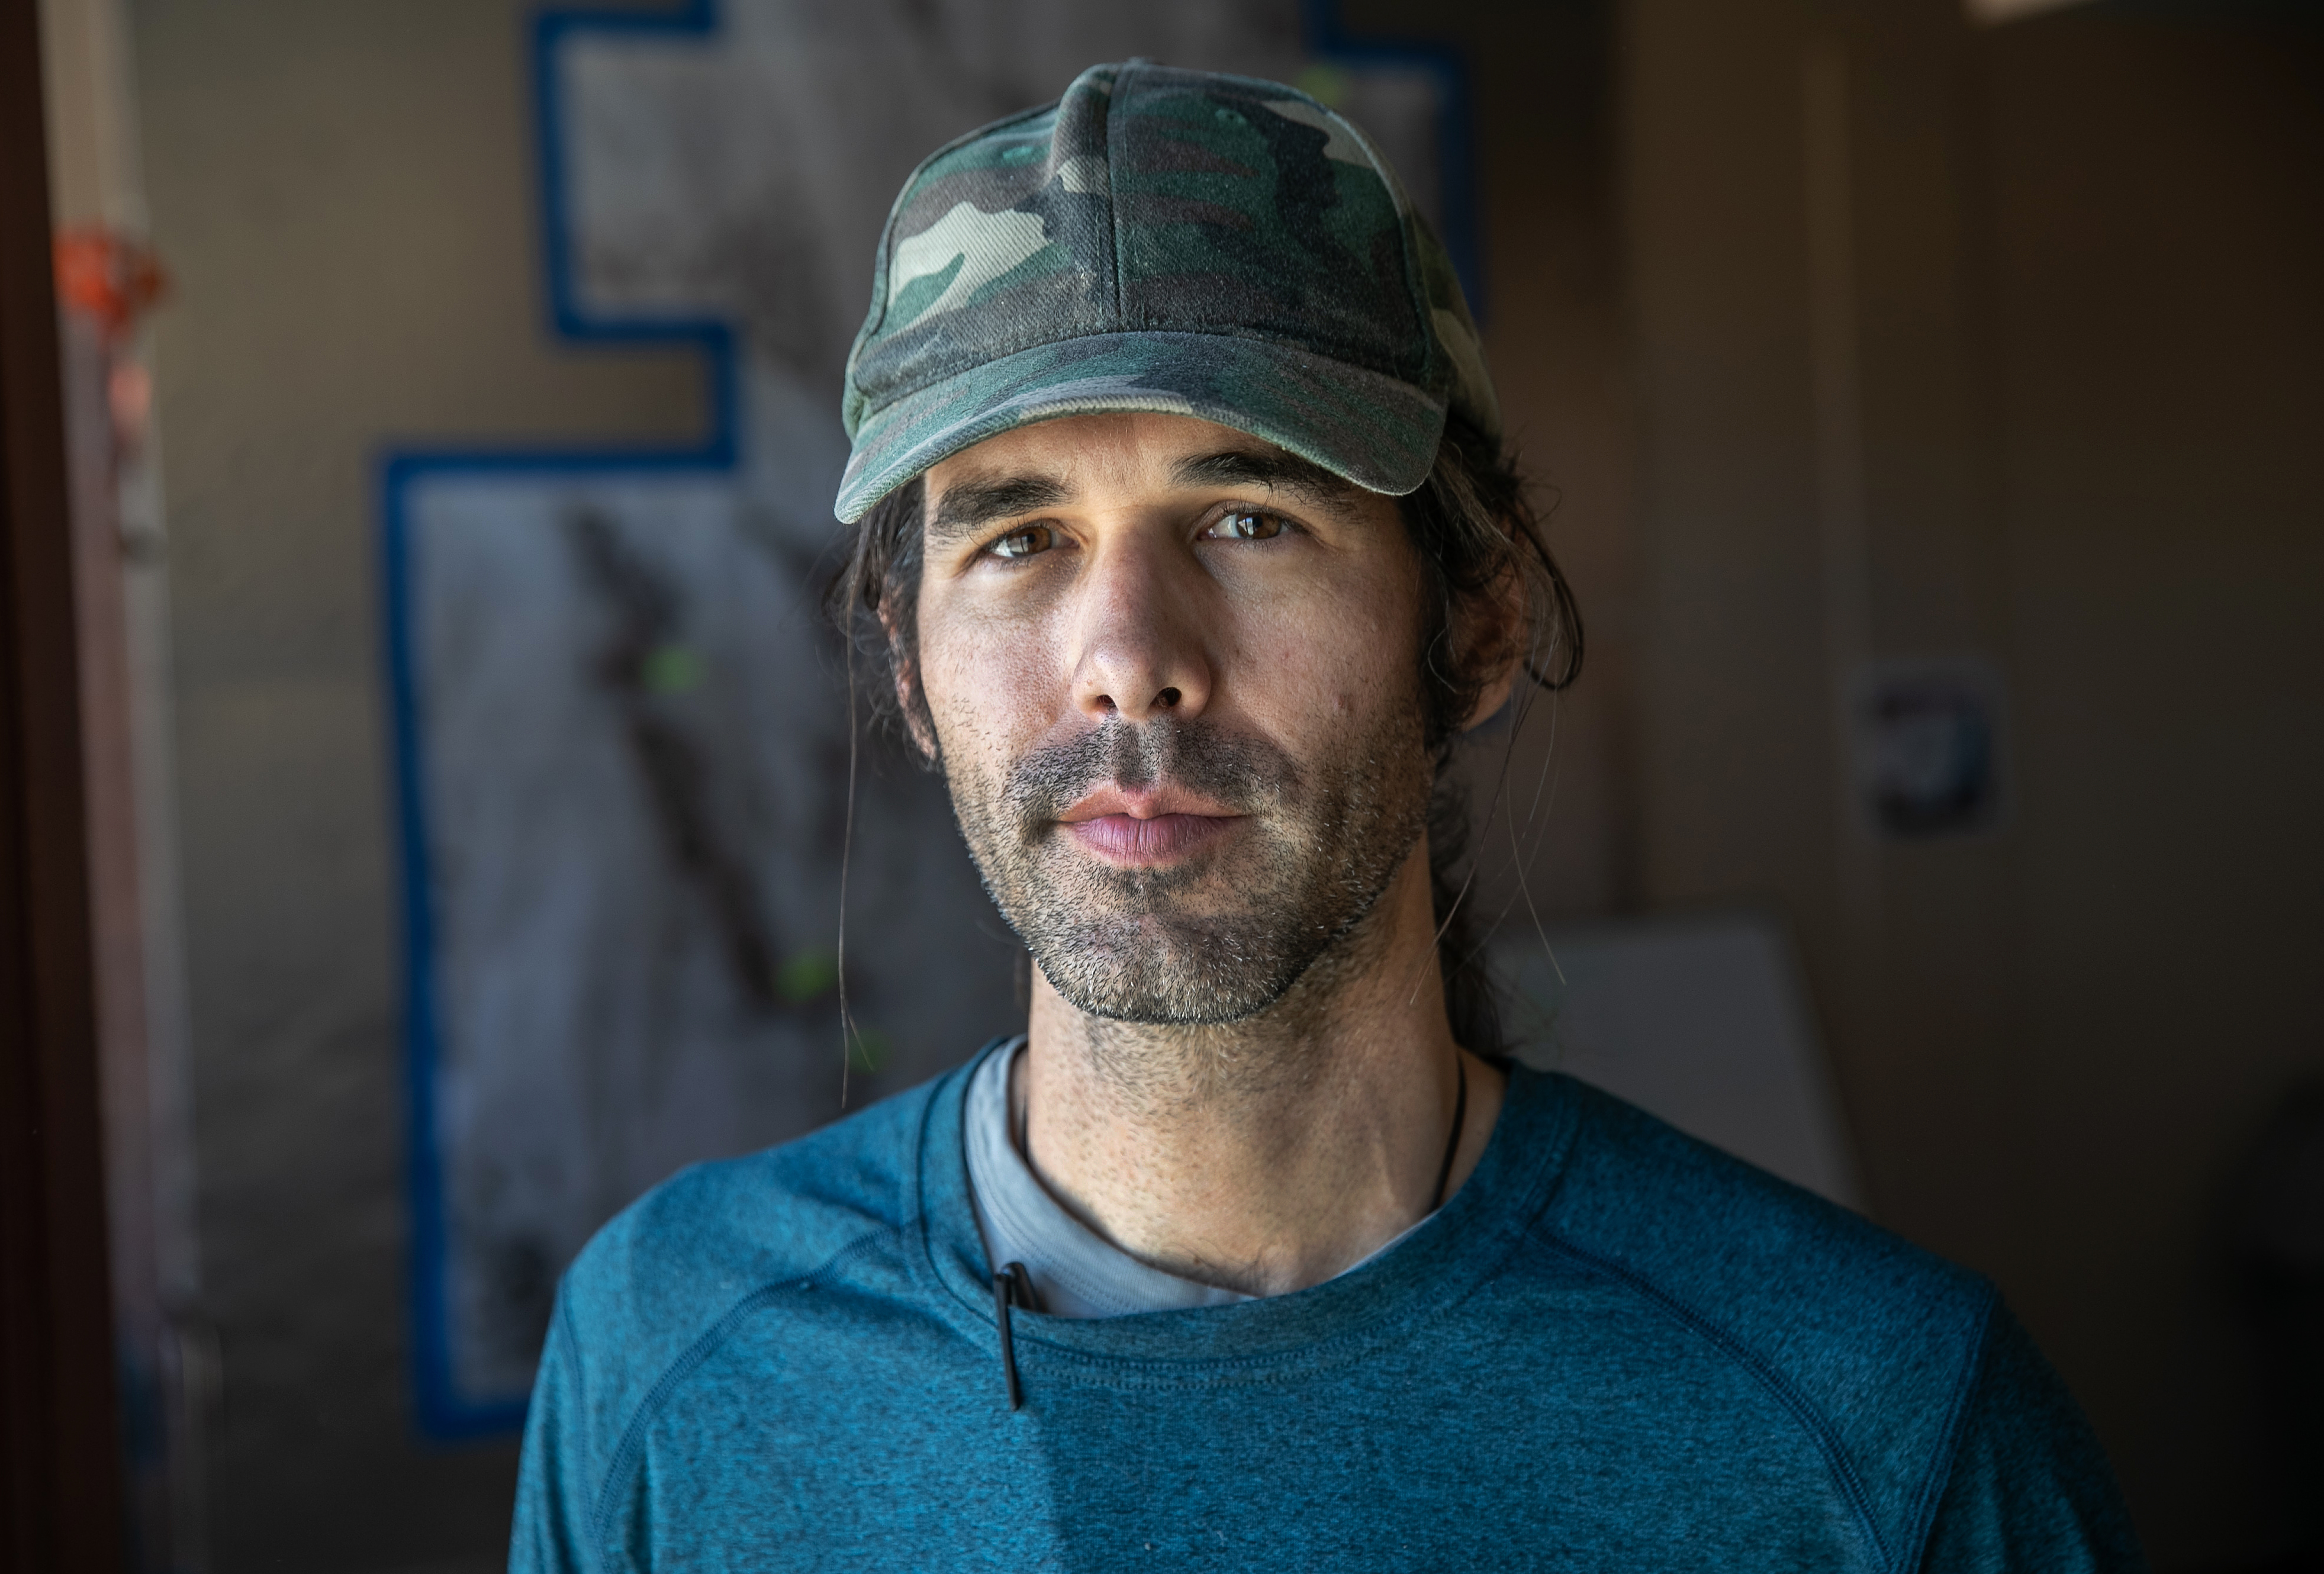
(1163, 240)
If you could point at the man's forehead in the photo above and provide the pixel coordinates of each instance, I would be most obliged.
(1060, 461)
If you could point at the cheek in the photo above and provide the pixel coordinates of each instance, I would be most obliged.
(1340, 655)
(989, 684)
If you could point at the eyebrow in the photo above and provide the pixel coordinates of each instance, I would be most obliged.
(965, 508)
(973, 504)
(1274, 470)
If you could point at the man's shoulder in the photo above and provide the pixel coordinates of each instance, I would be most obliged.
(1705, 1225)
(1871, 1342)
(669, 1270)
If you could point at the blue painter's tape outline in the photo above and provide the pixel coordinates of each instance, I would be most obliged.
(442, 1412)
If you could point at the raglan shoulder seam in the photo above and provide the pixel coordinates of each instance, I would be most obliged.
(1946, 1457)
(632, 1444)
(1811, 1421)
(561, 1316)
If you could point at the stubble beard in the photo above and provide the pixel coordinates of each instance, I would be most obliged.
(1225, 936)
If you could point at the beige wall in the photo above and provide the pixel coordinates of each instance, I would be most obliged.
(1750, 584)
(1556, 338)
(344, 196)
(2157, 193)
(2085, 251)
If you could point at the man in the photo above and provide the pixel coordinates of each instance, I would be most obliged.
(1189, 547)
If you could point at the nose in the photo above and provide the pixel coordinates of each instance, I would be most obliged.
(1139, 650)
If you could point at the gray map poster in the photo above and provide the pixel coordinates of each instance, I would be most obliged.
(623, 726)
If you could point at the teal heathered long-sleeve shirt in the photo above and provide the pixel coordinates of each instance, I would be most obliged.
(1615, 1348)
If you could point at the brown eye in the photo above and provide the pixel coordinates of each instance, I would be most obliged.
(1247, 525)
(1024, 542)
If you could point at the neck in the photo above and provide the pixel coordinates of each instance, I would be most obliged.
(1267, 1154)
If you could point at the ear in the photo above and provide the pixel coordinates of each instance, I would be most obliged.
(917, 723)
(1492, 642)
(910, 703)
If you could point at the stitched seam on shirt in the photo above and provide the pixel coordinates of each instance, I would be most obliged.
(577, 1375)
(1926, 1501)
(632, 1445)
(1552, 1164)
(1836, 1459)
(1340, 1349)
(1086, 1368)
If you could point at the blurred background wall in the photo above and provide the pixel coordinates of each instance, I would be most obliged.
(1843, 333)
(344, 197)
(2074, 276)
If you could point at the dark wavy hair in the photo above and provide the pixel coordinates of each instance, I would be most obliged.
(1479, 537)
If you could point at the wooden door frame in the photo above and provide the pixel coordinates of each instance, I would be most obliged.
(60, 1472)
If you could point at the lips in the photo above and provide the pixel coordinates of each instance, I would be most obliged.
(1154, 839)
(1148, 796)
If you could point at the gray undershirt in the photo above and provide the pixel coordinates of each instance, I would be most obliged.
(1076, 1272)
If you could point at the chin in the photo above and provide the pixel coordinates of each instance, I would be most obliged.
(1150, 972)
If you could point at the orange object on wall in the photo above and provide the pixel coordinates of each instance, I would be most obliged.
(107, 277)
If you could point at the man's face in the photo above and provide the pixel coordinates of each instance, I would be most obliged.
(1174, 678)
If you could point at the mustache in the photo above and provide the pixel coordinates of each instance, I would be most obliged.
(1235, 770)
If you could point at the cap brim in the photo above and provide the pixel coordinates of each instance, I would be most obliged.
(1372, 429)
